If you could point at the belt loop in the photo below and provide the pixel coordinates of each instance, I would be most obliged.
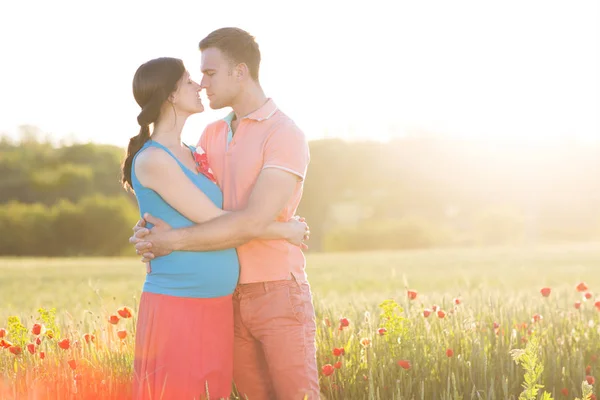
(295, 280)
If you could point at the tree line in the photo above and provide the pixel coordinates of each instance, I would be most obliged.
(414, 192)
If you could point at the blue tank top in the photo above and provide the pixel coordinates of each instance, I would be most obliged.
(186, 273)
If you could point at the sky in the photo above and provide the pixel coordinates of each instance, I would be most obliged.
(506, 70)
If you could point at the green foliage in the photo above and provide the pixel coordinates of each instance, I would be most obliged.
(349, 285)
(18, 332)
(48, 317)
(66, 181)
(96, 225)
(36, 172)
(587, 390)
(529, 360)
(404, 233)
(393, 320)
(415, 192)
(26, 229)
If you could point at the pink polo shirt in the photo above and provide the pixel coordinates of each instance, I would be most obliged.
(266, 138)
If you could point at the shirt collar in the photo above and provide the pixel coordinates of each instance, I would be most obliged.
(265, 112)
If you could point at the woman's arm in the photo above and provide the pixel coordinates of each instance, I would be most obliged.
(158, 171)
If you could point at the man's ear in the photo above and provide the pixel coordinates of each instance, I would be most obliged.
(241, 71)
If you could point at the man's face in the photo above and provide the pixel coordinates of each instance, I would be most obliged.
(219, 78)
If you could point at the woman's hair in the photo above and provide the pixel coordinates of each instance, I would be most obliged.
(153, 83)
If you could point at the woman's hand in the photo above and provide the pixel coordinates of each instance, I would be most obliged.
(298, 232)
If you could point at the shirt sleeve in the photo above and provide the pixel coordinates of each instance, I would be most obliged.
(287, 149)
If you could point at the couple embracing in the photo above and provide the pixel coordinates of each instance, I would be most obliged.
(226, 298)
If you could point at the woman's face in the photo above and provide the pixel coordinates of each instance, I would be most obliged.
(187, 96)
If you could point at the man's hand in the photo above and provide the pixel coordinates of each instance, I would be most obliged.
(300, 232)
(151, 243)
(141, 224)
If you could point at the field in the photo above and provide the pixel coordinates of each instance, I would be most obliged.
(490, 299)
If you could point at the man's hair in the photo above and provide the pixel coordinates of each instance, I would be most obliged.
(237, 45)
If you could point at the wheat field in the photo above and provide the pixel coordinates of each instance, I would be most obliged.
(423, 324)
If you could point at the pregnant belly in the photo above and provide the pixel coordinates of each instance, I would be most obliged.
(194, 274)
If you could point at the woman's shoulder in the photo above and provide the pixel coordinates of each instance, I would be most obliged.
(152, 159)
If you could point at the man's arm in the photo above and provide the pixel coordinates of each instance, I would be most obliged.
(273, 189)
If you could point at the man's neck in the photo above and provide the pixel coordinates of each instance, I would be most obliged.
(248, 102)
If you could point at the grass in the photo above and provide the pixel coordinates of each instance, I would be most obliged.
(495, 286)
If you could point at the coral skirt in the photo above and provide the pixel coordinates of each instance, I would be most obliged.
(183, 348)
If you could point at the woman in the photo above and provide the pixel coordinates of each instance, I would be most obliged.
(184, 337)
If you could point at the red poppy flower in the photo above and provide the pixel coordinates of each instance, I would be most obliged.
(524, 325)
(16, 350)
(327, 369)
(582, 287)
(344, 322)
(565, 391)
(577, 305)
(457, 301)
(337, 365)
(593, 397)
(588, 369)
(125, 312)
(38, 341)
(412, 294)
(31, 348)
(587, 295)
(597, 304)
(590, 379)
(426, 312)
(537, 317)
(5, 343)
(441, 314)
(42, 354)
(36, 329)
(113, 319)
(435, 307)
(381, 331)
(2, 333)
(404, 364)
(64, 344)
(339, 351)
(449, 352)
(496, 325)
(89, 337)
(122, 334)
(545, 291)
(72, 364)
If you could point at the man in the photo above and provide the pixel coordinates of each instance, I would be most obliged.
(259, 158)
